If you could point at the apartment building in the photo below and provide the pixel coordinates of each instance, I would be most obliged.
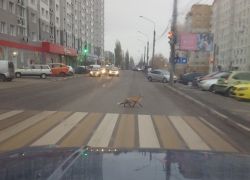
(230, 26)
(45, 31)
(198, 22)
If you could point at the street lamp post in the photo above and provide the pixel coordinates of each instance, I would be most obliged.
(153, 55)
(147, 46)
(144, 52)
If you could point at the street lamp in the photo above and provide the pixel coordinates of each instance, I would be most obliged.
(153, 55)
(147, 46)
(144, 51)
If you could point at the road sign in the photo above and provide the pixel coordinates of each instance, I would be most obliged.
(181, 60)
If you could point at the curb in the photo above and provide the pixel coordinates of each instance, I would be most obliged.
(70, 77)
(220, 116)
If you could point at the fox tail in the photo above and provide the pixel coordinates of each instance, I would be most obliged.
(120, 103)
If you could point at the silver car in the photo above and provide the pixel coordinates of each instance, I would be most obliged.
(160, 75)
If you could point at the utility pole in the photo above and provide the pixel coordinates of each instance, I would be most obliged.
(153, 56)
(144, 57)
(173, 30)
(215, 49)
(147, 55)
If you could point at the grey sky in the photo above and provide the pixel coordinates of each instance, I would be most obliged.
(122, 22)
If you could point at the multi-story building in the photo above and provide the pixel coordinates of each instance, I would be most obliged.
(198, 22)
(45, 31)
(230, 26)
(109, 57)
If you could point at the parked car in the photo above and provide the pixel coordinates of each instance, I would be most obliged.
(71, 70)
(59, 69)
(149, 70)
(82, 70)
(34, 70)
(135, 69)
(114, 71)
(7, 70)
(209, 85)
(241, 91)
(95, 71)
(214, 75)
(226, 83)
(188, 78)
(160, 75)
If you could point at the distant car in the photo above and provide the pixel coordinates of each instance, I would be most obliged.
(160, 75)
(34, 70)
(188, 78)
(226, 83)
(59, 69)
(71, 70)
(95, 71)
(135, 69)
(241, 91)
(82, 70)
(7, 70)
(114, 71)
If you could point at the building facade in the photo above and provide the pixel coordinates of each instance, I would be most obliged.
(230, 26)
(198, 22)
(109, 57)
(45, 31)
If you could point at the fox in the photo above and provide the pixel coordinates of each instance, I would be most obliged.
(131, 100)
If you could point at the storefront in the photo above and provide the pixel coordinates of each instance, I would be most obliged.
(91, 58)
(56, 53)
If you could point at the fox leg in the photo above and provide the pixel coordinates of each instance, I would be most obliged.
(134, 104)
(140, 104)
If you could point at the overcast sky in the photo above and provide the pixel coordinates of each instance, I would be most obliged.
(122, 22)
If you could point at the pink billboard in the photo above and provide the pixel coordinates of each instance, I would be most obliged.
(188, 42)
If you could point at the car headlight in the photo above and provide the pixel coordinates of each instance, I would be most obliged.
(91, 72)
(243, 89)
(103, 71)
(116, 72)
(109, 72)
(97, 73)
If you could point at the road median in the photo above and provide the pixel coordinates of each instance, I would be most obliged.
(242, 127)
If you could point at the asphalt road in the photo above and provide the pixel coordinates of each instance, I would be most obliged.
(59, 112)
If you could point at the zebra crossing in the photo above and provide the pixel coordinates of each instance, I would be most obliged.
(22, 128)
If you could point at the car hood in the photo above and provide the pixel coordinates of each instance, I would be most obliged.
(52, 162)
(242, 85)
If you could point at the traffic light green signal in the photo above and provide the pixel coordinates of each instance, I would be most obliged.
(85, 49)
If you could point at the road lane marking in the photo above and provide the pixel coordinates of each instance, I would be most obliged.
(59, 131)
(147, 134)
(193, 141)
(169, 137)
(10, 131)
(24, 137)
(104, 131)
(16, 119)
(214, 140)
(79, 135)
(9, 114)
(125, 137)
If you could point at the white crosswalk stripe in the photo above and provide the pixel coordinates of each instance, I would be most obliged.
(104, 131)
(8, 132)
(147, 134)
(190, 137)
(59, 131)
(9, 114)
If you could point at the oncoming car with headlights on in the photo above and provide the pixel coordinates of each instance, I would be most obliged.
(95, 72)
(103, 70)
(114, 71)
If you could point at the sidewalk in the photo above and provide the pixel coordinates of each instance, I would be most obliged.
(226, 108)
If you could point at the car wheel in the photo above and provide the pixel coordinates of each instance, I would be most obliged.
(165, 80)
(2, 78)
(43, 76)
(190, 83)
(18, 75)
(227, 93)
(70, 73)
(62, 74)
(212, 88)
(150, 79)
(9, 79)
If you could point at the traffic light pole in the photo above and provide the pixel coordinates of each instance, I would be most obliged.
(153, 56)
(215, 46)
(147, 54)
(172, 45)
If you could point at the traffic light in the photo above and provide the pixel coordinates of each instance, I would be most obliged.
(211, 60)
(85, 49)
(170, 37)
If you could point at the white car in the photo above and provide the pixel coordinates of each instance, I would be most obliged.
(34, 70)
(7, 70)
(71, 70)
(114, 71)
(160, 75)
(208, 85)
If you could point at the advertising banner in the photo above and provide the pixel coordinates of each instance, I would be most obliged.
(205, 42)
(188, 42)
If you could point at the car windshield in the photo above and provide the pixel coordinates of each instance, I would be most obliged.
(96, 73)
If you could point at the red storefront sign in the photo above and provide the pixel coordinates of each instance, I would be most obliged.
(1, 49)
(57, 49)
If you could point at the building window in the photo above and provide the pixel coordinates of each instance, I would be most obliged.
(57, 20)
(33, 36)
(57, 32)
(43, 27)
(3, 28)
(3, 4)
(47, 28)
(11, 7)
(42, 12)
(32, 2)
(47, 14)
(57, 7)
(33, 17)
(12, 30)
(20, 11)
(21, 30)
